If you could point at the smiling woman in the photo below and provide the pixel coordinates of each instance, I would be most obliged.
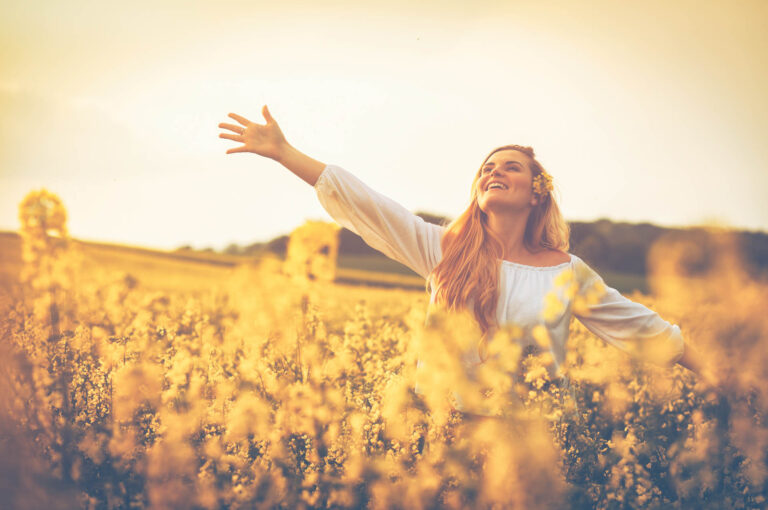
(502, 259)
(507, 219)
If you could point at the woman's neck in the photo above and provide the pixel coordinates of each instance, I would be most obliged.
(510, 228)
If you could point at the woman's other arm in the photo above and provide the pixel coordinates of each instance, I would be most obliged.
(690, 359)
(626, 324)
(268, 140)
(696, 363)
(637, 329)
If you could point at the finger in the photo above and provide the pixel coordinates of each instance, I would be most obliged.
(267, 115)
(236, 129)
(236, 149)
(237, 138)
(242, 120)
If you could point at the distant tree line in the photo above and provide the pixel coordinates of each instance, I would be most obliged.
(604, 244)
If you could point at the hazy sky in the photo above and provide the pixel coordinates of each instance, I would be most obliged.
(642, 111)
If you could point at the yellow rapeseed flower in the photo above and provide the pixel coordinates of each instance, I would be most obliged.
(541, 335)
(553, 307)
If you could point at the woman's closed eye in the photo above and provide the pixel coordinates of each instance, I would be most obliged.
(489, 168)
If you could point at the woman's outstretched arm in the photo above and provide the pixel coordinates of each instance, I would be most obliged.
(268, 140)
(383, 223)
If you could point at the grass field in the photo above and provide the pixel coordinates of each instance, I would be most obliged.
(149, 265)
(190, 270)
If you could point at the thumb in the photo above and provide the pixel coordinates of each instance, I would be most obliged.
(267, 115)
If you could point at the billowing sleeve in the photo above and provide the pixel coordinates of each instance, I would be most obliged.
(383, 224)
(623, 323)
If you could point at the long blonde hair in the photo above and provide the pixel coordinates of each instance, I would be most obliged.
(469, 268)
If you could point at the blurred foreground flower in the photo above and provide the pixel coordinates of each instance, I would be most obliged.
(312, 251)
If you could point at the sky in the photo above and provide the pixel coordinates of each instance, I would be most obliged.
(650, 111)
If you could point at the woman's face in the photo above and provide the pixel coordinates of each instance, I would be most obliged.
(505, 182)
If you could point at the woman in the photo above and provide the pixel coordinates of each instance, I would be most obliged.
(499, 259)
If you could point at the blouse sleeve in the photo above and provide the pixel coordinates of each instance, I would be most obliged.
(623, 323)
(383, 224)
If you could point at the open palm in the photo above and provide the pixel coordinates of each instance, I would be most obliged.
(264, 139)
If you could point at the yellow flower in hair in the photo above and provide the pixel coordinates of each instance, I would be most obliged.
(542, 184)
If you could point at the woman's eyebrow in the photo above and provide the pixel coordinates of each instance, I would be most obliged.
(507, 162)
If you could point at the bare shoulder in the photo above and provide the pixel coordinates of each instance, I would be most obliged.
(554, 257)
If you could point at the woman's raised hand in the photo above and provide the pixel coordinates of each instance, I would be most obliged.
(267, 140)
(263, 139)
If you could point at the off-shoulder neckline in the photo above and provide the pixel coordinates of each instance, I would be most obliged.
(539, 268)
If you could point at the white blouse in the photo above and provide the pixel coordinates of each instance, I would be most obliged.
(401, 235)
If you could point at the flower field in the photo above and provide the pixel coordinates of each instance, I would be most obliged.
(270, 386)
